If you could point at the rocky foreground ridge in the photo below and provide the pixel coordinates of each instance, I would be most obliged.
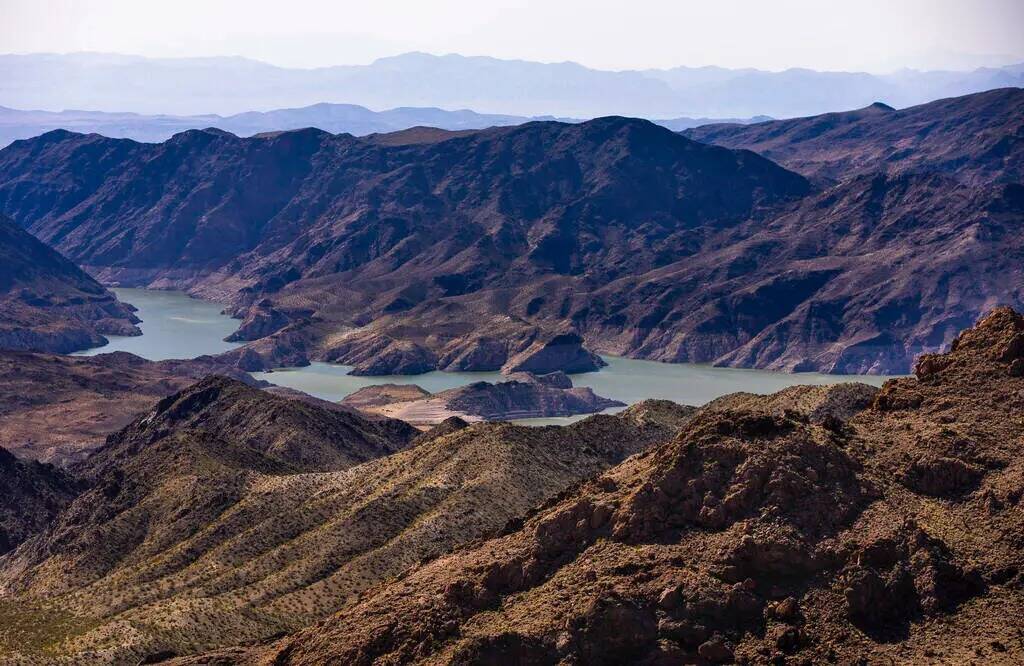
(226, 514)
(818, 525)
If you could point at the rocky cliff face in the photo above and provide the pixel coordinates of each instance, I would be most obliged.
(48, 304)
(827, 524)
(33, 494)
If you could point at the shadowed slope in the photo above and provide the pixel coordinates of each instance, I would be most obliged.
(33, 493)
(48, 304)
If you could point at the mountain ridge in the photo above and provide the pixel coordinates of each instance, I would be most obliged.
(265, 543)
(463, 251)
(826, 528)
(335, 118)
(851, 143)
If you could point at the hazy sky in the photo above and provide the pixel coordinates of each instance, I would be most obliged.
(874, 35)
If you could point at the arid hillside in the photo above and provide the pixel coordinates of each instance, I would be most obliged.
(226, 515)
(978, 138)
(48, 304)
(818, 525)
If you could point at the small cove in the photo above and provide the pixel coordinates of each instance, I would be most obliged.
(174, 325)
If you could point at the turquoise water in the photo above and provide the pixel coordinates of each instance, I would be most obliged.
(624, 379)
(174, 325)
(177, 326)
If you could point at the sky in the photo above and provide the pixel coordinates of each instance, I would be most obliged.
(862, 35)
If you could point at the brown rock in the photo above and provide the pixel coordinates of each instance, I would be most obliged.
(670, 597)
(941, 476)
(787, 610)
(716, 651)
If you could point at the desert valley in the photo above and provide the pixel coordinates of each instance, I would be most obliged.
(688, 365)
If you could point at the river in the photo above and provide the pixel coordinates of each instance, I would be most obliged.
(175, 325)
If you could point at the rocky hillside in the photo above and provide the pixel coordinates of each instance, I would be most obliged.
(209, 522)
(352, 232)
(818, 525)
(978, 138)
(860, 278)
(532, 247)
(48, 304)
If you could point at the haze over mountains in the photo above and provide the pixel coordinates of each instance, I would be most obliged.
(334, 118)
(119, 83)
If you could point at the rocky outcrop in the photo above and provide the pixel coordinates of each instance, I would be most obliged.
(261, 319)
(523, 396)
(564, 353)
(370, 397)
(48, 304)
(424, 341)
(394, 357)
(288, 348)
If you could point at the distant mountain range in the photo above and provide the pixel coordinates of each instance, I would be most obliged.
(881, 234)
(334, 118)
(230, 85)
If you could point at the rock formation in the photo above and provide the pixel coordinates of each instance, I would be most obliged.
(33, 494)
